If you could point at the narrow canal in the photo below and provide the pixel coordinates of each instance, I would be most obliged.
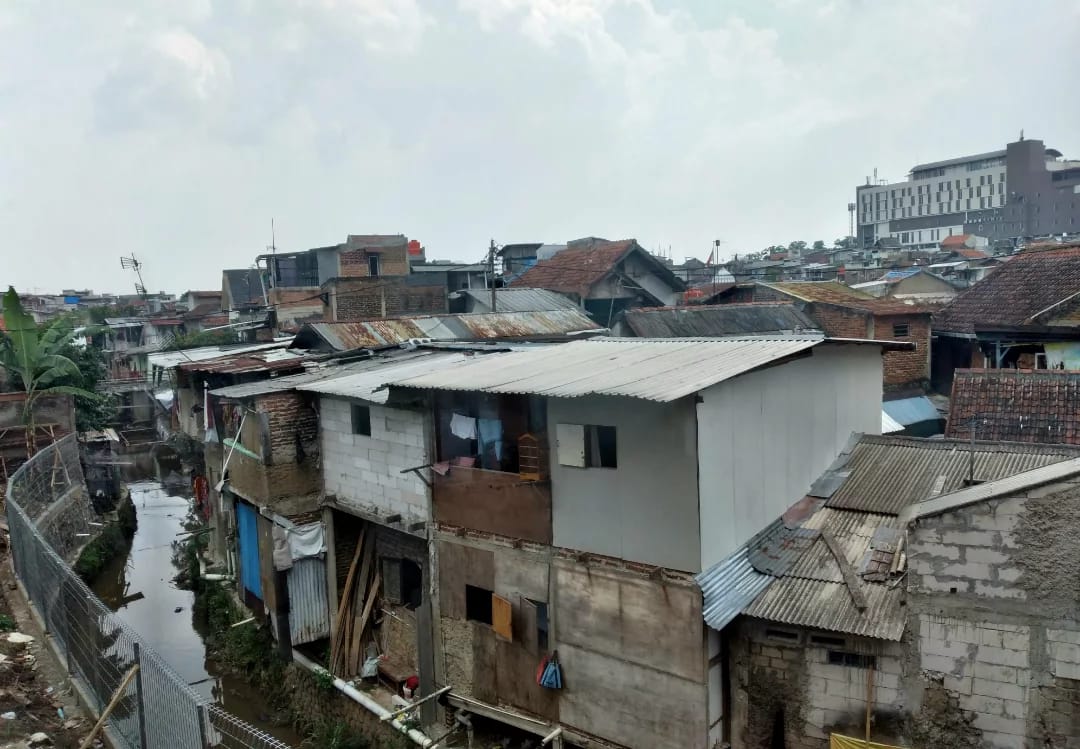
(140, 588)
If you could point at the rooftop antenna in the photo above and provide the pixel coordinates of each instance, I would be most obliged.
(273, 239)
(132, 263)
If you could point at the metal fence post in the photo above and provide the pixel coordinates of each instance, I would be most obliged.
(204, 735)
(139, 695)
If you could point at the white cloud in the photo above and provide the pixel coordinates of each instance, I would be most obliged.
(177, 129)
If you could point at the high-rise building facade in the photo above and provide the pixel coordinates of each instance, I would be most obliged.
(1023, 191)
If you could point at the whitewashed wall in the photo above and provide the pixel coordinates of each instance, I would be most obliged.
(365, 472)
(764, 437)
(645, 510)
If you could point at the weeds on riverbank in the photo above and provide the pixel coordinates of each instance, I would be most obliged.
(114, 540)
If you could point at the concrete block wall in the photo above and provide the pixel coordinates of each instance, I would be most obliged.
(969, 551)
(994, 618)
(772, 673)
(365, 472)
(987, 666)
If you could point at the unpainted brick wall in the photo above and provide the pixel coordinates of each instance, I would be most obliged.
(841, 322)
(393, 261)
(905, 367)
(369, 298)
(292, 468)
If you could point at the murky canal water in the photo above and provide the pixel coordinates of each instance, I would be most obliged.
(140, 589)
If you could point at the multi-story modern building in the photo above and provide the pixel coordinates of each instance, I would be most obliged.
(1023, 191)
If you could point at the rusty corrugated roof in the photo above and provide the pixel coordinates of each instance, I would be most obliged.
(343, 336)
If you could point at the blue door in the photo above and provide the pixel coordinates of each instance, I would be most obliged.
(248, 532)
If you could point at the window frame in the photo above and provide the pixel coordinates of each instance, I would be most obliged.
(374, 262)
(360, 412)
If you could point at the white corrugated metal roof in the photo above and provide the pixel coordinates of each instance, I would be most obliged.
(169, 359)
(660, 370)
(889, 424)
(369, 383)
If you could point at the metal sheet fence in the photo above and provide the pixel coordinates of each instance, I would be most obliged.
(50, 517)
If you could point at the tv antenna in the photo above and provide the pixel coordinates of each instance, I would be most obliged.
(273, 239)
(132, 263)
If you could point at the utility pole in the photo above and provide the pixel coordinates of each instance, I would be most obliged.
(491, 272)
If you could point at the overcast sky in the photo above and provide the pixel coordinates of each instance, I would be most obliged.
(176, 130)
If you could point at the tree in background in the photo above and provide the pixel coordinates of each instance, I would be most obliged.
(819, 245)
(97, 315)
(35, 362)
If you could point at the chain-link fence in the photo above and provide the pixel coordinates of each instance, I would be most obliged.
(50, 518)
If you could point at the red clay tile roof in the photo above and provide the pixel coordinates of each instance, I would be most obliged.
(574, 270)
(1041, 406)
(1031, 282)
(839, 295)
(955, 241)
(971, 253)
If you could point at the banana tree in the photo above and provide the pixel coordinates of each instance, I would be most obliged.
(33, 362)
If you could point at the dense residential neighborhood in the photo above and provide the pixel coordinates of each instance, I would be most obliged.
(539, 374)
(579, 503)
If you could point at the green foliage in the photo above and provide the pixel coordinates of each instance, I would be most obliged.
(7, 624)
(97, 315)
(35, 361)
(324, 681)
(203, 338)
(329, 734)
(113, 541)
(90, 413)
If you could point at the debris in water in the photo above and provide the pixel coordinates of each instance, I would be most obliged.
(178, 609)
(18, 638)
(39, 738)
(10, 715)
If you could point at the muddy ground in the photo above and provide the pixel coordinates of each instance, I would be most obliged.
(33, 685)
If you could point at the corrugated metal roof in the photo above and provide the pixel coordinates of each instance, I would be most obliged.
(889, 424)
(910, 411)
(292, 381)
(246, 363)
(731, 585)
(889, 473)
(170, 359)
(652, 369)
(828, 606)
(518, 300)
(368, 383)
(999, 488)
(309, 612)
(813, 593)
(853, 530)
(344, 336)
(718, 320)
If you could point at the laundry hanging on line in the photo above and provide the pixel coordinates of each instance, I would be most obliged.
(463, 426)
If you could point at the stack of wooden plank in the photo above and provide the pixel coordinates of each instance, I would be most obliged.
(355, 608)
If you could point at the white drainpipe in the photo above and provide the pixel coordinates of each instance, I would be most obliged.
(212, 576)
(418, 737)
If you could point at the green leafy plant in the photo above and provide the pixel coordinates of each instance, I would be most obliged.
(324, 681)
(34, 361)
(7, 624)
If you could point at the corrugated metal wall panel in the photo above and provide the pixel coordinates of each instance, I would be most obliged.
(247, 532)
(309, 612)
